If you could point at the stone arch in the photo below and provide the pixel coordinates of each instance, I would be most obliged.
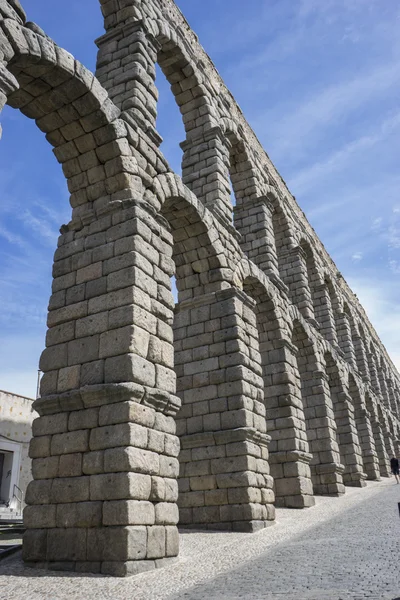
(81, 123)
(396, 395)
(272, 325)
(79, 120)
(152, 40)
(394, 429)
(349, 445)
(289, 455)
(326, 468)
(110, 405)
(302, 279)
(121, 304)
(199, 253)
(247, 270)
(382, 377)
(393, 401)
(253, 210)
(245, 179)
(347, 335)
(383, 419)
(218, 374)
(361, 353)
(377, 431)
(326, 309)
(283, 234)
(364, 431)
(373, 369)
(391, 429)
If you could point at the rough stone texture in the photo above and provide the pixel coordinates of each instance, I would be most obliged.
(268, 369)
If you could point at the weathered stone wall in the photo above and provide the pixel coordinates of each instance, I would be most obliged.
(264, 386)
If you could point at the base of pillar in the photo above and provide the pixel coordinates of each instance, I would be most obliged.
(355, 479)
(373, 477)
(371, 467)
(292, 479)
(332, 489)
(385, 473)
(238, 526)
(327, 479)
(356, 482)
(113, 568)
(249, 517)
(295, 502)
(361, 483)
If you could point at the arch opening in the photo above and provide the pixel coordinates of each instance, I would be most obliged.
(347, 436)
(169, 122)
(326, 469)
(348, 336)
(219, 387)
(378, 436)
(326, 312)
(364, 432)
(383, 420)
(289, 457)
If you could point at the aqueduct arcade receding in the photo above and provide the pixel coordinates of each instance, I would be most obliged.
(265, 385)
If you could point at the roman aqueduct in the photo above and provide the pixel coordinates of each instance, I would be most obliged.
(264, 386)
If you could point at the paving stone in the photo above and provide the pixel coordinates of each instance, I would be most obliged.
(331, 551)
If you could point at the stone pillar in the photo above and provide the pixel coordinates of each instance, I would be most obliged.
(387, 435)
(392, 398)
(326, 467)
(384, 389)
(205, 170)
(384, 464)
(349, 444)
(324, 314)
(289, 450)
(373, 373)
(104, 449)
(253, 220)
(126, 68)
(366, 438)
(396, 443)
(225, 481)
(345, 340)
(361, 358)
(295, 276)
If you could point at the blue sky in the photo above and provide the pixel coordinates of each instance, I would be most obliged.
(319, 81)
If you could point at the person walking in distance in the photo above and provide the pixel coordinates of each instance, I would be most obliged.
(394, 465)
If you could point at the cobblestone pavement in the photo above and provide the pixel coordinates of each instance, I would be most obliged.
(342, 549)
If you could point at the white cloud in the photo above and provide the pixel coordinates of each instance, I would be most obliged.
(333, 9)
(330, 105)
(394, 266)
(12, 238)
(47, 232)
(357, 256)
(377, 224)
(307, 178)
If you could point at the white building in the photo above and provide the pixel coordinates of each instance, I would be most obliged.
(16, 416)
